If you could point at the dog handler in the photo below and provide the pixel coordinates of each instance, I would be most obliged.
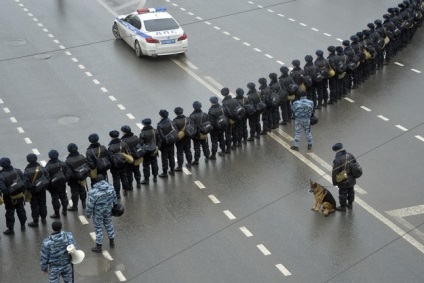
(341, 162)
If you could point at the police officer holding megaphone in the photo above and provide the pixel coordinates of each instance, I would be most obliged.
(55, 251)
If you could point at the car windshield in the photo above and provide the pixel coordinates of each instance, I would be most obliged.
(161, 24)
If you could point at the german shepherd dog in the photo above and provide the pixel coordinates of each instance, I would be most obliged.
(323, 198)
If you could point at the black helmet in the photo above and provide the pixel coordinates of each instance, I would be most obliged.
(117, 210)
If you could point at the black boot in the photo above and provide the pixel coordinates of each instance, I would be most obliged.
(112, 243)
(97, 248)
(55, 215)
(155, 179)
(138, 184)
(9, 232)
(341, 208)
(73, 208)
(33, 224)
(195, 162)
(163, 175)
(145, 182)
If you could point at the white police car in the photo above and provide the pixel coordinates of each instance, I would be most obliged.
(151, 32)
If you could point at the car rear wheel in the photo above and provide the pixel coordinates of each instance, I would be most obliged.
(138, 51)
(115, 31)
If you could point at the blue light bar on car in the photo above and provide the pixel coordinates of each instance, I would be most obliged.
(150, 10)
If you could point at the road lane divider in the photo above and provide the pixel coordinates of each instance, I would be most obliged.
(229, 214)
(263, 249)
(246, 232)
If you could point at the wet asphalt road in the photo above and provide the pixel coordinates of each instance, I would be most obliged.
(67, 78)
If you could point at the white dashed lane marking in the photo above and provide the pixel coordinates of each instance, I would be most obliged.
(246, 232)
(75, 60)
(420, 138)
(416, 71)
(402, 128)
(350, 100)
(383, 118)
(120, 106)
(131, 116)
(88, 74)
(83, 220)
(6, 110)
(35, 151)
(264, 250)
(20, 130)
(365, 108)
(120, 276)
(214, 199)
(327, 34)
(283, 269)
(93, 235)
(81, 67)
(13, 120)
(1, 101)
(28, 140)
(104, 89)
(314, 29)
(186, 171)
(199, 185)
(229, 214)
(302, 24)
(111, 97)
(399, 64)
(107, 255)
(96, 82)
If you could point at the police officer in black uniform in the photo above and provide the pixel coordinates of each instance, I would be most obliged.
(217, 134)
(78, 191)
(241, 126)
(230, 103)
(342, 77)
(12, 202)
(274, 85)
(34, 171)
(254, 120)
(322, 91)
(199, 140)
(265, 93)
(184, 145)
(148, 135)
(333, 60)
(309, 70)
(119, 172)
(94, 152)
(133, 171)
(285, 81)
(58, 189)
(165, 126)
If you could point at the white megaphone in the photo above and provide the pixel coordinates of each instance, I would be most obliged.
(77, 255)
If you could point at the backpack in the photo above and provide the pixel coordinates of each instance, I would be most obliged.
(355, 169)
(275, 100)
(82, 172)
(172, 136)
(103, 163)
(58, 179)
(222, 121)
(318, 74)
(18, 185)
(237, 113)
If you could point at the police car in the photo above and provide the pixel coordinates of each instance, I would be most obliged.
(151, 32)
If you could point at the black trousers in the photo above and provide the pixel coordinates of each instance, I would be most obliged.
(334, 88)
(133, 172)
(201, 145)
(241, 129)
(230, 135)
(59, 197)
(77, 192)
(150, 162)
(167, 154)
(217, 139)
(119, 175)
(267, 119)
(184, 147)
(346, 195)
(10, 211)
(322, 92)
(38, 205)
(255, 124)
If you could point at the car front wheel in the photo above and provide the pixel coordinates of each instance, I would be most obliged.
(115, 31)
(138, 51)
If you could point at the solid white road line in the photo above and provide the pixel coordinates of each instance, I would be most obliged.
(120, 276)
(246, 232)
(391, 225)
(199, 185)
(83, 220)
(229, 214)
(214, 199)
(402, 128)
(263, 249)
(283, 269)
